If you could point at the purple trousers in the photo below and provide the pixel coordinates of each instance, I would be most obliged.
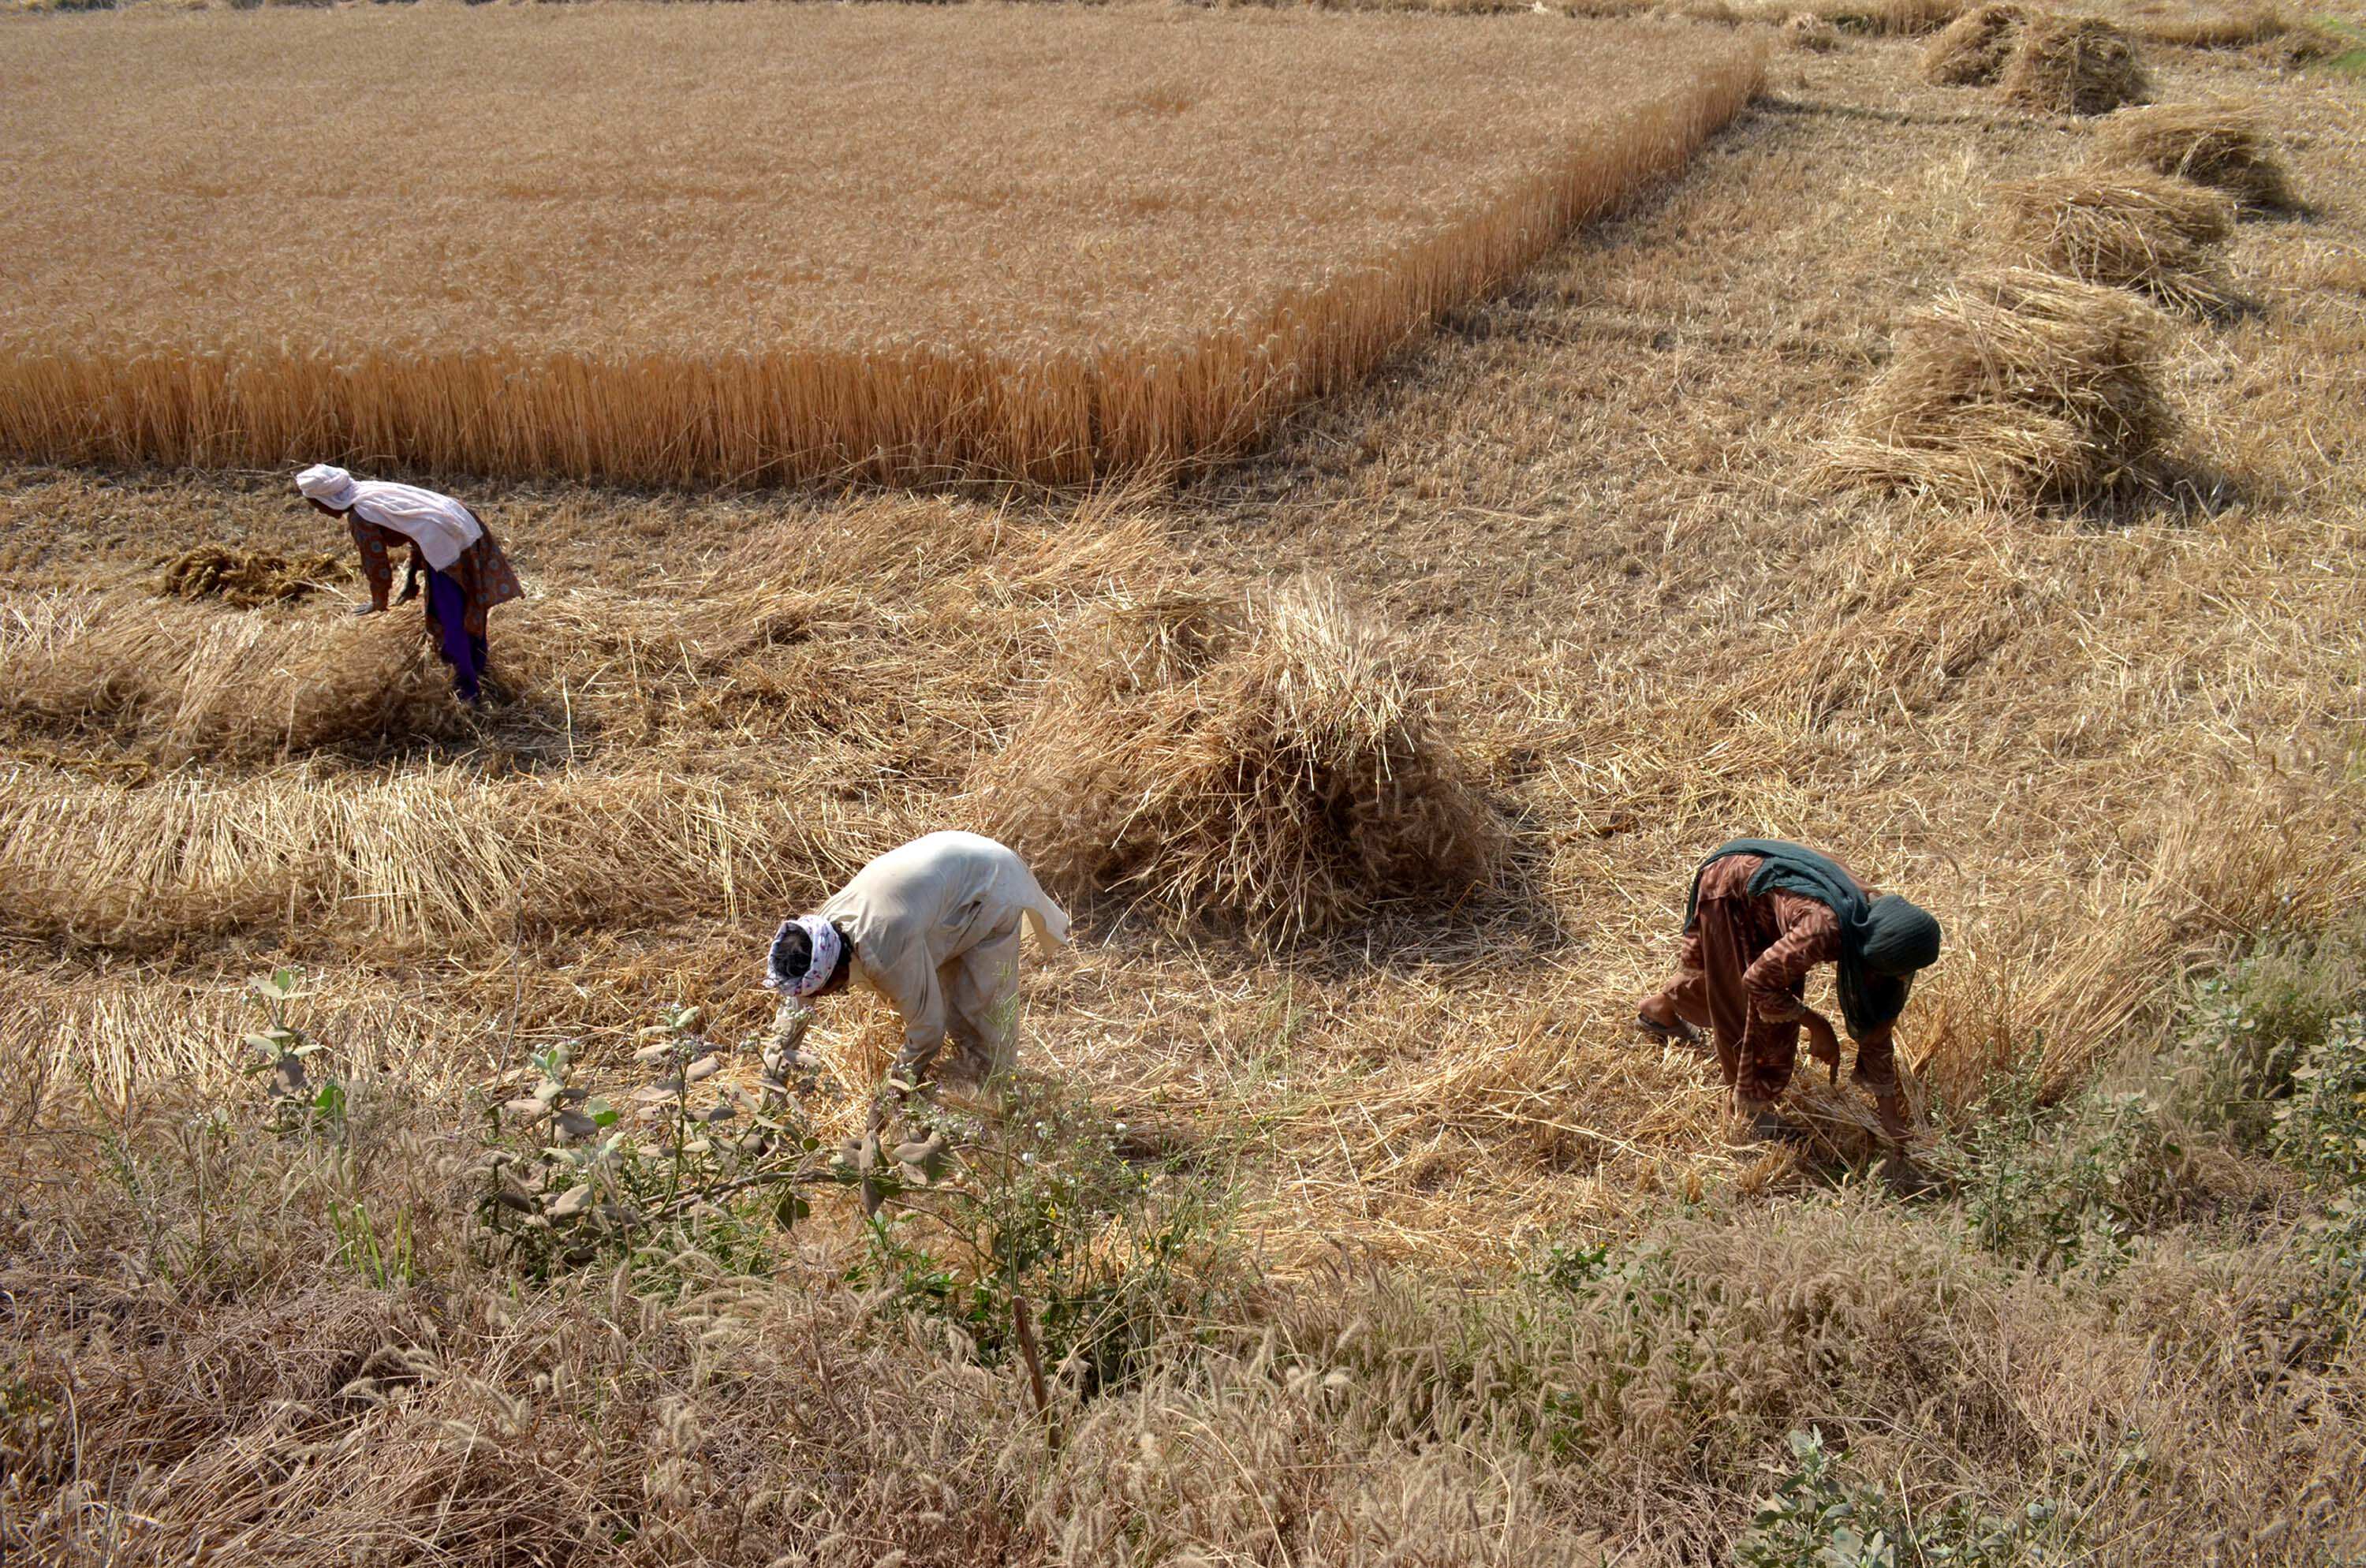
(447, 609)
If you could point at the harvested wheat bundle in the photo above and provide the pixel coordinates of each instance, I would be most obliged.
(1278, 772)
(2073, 66)
(183, 685)
(2018, 388)
(2124, 230)
(2219, 144)
(1839, 1124)
(1973, 49)
(247, 577)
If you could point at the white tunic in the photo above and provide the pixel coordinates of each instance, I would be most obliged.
(935, 929)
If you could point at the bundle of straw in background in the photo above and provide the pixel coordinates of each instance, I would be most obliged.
(2220, 144)
(2123, 229)
(175, 684)
(1971, 52)
(2074, 65)
(247, 577)
(2018, 388)
(1280, 772)
(2044, 63)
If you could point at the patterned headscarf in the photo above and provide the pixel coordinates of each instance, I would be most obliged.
(814, 940)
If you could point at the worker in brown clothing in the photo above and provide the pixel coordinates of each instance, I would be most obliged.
(1761, 914)
(466, 573)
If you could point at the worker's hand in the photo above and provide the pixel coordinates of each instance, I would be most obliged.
(369, 609)
(409, 592)
(1822, 1044)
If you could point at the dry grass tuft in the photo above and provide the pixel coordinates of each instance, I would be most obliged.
(2220, 144)
(2214, 29)
(247, 577)
(1284, 775)
(2123, 229)
(1973, 49)
(2019, 389)
(2303, 43)
(2074, 65)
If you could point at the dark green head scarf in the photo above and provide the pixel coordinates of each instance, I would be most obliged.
(1882, 940)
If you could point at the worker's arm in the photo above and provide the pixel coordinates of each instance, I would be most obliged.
(377, 570)
(1810, 936)
(411, 576)
(906, 975)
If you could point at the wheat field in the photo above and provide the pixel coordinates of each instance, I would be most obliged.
(767, 243)
(1373, 763)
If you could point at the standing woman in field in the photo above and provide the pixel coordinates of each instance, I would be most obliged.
(1763, 913)
(466, 573)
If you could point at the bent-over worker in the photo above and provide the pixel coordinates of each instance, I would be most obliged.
(934, 928)
(466, 573)
(1763, 913)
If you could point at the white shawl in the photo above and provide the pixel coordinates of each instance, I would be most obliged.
(438, 524)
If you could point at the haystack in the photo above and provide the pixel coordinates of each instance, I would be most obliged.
(2123, 229)
(1971, 52)
(1277, 771)
(2073, 66)
(247, 577)
(2048, 63)
(2019, 388)
(2219, 144)
(1805, 30)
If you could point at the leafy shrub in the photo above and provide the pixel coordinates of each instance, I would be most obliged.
(699, 1166)
(282, 1050)
(2055, 1188)
(2320, 1130)
(2250, 1027)
(2265, 1062)
(1815, 1519)
(1568, 1266)
(1101, 1251)
(1026, 1231)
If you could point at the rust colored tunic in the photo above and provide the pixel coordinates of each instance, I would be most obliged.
(1745, 967)
(483, 572)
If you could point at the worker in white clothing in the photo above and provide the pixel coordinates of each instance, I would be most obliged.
(933, 926)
